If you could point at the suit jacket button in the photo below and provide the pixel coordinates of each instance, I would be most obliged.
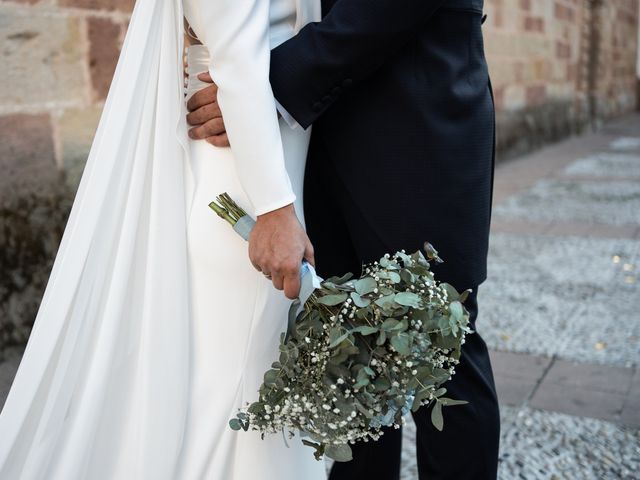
(326, 99)
(336, 91)
(346, 83)
(317, 107)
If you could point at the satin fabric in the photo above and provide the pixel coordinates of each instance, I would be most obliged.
(236, 320)
(104, 389)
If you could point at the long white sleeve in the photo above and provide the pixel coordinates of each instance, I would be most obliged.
(236, 33)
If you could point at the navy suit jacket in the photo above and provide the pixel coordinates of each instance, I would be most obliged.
(399, 96)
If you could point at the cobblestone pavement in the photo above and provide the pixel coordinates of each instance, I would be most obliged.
(560, 310)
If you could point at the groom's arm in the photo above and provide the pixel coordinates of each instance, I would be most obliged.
(311, 70)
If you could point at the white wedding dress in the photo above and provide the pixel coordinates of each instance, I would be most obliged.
(154, 327)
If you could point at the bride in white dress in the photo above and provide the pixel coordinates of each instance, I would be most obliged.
(154, 326)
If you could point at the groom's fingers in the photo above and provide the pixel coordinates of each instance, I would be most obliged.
(292, 285)
(278, 281)
(208, 129)
(204, 114)
(205, 77)
(203, 97)
(219, 140)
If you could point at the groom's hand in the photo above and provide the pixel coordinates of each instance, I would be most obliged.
(205, 116)
(277, 245)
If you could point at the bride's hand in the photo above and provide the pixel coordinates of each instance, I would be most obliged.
(277, 246)
(205, 116)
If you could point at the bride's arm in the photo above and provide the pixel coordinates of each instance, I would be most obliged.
(236, 35)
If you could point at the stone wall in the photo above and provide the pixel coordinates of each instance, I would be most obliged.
(58, 57)
(557, 66)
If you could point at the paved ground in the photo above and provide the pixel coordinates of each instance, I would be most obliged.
(561, 310)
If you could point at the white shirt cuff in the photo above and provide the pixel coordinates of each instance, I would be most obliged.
(287, 116)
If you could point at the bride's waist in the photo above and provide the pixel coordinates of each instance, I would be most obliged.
(198, 54)
(197, 57)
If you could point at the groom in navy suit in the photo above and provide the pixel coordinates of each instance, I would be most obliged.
(402, 152)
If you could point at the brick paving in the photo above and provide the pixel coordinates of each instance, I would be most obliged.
(560, 311)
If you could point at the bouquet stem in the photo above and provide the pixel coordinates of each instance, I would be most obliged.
(227, 209)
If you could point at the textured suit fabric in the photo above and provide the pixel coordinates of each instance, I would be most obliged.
(399, 93)
(402, 152)
(468, 447)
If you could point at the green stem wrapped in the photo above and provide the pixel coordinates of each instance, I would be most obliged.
(227, 209)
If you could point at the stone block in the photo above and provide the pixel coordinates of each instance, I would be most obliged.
(513, 391)
(26, 150)
(529, 367)
(75, 129)
(577, 401)
(109, 5)
(42, 58)
(589, 376)
(516, 375)
(25, 2)
(104, 49)
(630, 415)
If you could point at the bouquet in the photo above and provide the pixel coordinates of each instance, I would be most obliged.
(360, 353)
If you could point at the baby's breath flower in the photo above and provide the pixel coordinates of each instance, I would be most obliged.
(302, 392)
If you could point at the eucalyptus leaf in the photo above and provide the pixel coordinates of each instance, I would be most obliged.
(340, 453)
(450, 402)
(431, 252)
(385, 290)
(394, 277)
(408, 299)
(340, 280)
(419, 397)
(270, 377)
(365, 330)
(359, 301)
(440, 392)
(389, 324)
(363, 410)
(235, 424)
(333, 299)
(401, 326)
(436, 416)
(402, 343)
(456, 310)
(366, 285)
(407, 276)
(339, 340)
(361, 383)
(386, 301)
(381, 384)
(464, 295)
(452, 293)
